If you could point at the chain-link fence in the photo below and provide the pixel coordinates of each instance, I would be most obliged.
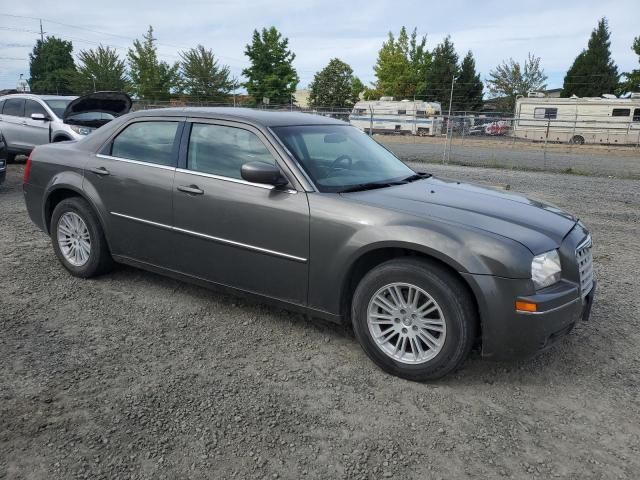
(582, 144)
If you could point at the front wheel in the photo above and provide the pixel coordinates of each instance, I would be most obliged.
(78, 239)
(414, 319)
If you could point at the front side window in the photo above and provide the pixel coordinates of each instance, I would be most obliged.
(221, 150)
(621, 112)
(31, 107)
(340, 157)
(13, 107)
(150, 142)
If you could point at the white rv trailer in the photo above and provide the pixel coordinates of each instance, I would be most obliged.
(400, 117)
(600, 120)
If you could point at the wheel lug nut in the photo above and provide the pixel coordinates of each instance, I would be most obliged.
(397, 320)
(404, 330)
(415, 328)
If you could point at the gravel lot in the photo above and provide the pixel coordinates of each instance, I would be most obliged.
(133, 375)
(606, 160)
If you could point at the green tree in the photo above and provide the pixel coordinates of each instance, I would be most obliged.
(332, 86)
(593, 71)
(100, 69)
(357, 87)
(444, 66)
(468, 88)
(510, 79)
(402, 65)
(203, 77)
(151, 79)
(52, 68)
(632, 79)
(271, 73)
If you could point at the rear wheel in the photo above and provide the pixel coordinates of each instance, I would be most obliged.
(414, 319)
(578, 140)
(78, 239)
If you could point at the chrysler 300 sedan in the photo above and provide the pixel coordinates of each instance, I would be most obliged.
(313, 214)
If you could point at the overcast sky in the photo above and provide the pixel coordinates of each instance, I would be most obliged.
(319, 30)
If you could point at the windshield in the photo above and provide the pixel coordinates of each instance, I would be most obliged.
(338, 157)
(58, 106)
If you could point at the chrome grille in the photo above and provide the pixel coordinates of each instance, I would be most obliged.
(584, 258)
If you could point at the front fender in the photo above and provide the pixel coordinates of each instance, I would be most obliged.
(340, 236)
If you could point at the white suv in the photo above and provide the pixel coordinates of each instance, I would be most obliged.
(28, 120)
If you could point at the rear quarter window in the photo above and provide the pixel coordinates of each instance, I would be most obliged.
(150, 142)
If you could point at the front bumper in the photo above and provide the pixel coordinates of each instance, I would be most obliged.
(508, 334)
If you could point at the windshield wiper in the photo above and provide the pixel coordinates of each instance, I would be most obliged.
(369, 186)
(416, 176)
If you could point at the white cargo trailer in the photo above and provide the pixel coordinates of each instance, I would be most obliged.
(600, 120)
(397, 117)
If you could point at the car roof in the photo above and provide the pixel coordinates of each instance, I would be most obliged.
(266, 118)
(41, 97)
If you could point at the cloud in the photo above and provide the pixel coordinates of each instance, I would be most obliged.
(320, 30)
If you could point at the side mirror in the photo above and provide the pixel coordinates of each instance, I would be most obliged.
(39, 116)
(261, 172)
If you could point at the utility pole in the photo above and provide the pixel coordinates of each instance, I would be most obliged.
(444, 154)
(41, 32)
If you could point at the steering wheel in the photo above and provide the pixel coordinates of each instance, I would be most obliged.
(342, 159)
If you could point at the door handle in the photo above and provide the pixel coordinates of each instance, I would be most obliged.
(191, 189)
(100, 171)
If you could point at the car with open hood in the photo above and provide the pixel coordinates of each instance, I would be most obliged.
(311, 213)
(28, 120)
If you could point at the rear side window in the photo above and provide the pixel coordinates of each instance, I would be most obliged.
(621, 112)
(222, 150)
(13, 107)
(547, 113)
(150, 142)
(31, 106)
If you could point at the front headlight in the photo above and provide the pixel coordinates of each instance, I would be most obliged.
(81, 130)
(546, 269)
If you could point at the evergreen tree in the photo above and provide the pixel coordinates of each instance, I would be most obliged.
(99, 70)
(632, 78)
(593, 72)
(332, 86)
(510, 79)
(357, 87)
(468, 88)
(151, 78)
(52, 67)
(271, 73)
(203, 77)
(402, 65)
(444, 66)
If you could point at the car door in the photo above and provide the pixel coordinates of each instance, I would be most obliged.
(12, 120)
(249, 236)
(131, 180)
(35, 132)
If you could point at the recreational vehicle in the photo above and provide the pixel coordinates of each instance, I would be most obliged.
(399, 117)
(600, 120)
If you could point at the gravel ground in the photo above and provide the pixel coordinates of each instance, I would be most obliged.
(133, 375)
(623, 162)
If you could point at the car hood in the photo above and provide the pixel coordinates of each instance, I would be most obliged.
(87, 110)
(538, 226)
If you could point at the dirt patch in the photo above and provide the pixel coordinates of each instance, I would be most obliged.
(133, 375)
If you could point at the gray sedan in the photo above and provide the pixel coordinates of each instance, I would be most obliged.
(312, 214)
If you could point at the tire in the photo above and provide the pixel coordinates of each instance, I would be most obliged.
(455, 311)
(11, 157)
(578, 140)
(98, 260)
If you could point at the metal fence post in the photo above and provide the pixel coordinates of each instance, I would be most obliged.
(370, 120)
